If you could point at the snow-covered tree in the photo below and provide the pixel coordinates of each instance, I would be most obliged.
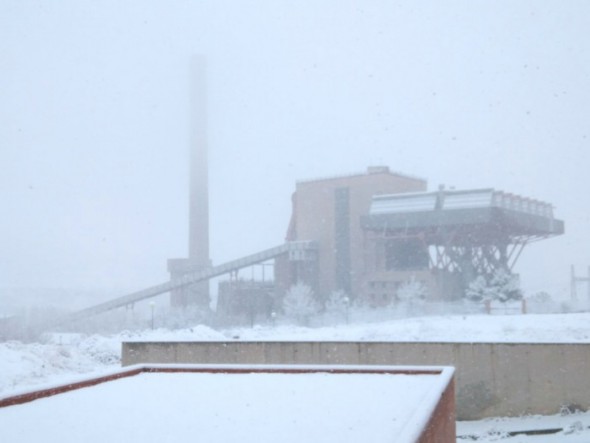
(300, 303)
(338, 301)
(410, 297)
(412, 291)
(502, 286)
(507, 286)
(479, 290)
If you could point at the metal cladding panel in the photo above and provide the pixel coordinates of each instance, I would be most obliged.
(428, 219)
(530, 224)
(478, 212)
(464, 200)
(404, 203)
(486, 221)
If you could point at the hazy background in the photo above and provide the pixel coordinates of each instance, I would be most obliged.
(94, 122)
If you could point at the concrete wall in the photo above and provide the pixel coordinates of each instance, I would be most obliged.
(492, 379)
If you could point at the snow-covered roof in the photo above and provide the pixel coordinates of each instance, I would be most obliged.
(236, 403)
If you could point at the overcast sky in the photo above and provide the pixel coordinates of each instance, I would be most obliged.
(94, 121)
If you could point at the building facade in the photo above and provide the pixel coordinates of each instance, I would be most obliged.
(328, 212)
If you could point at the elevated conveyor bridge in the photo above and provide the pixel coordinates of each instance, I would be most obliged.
(295, 249)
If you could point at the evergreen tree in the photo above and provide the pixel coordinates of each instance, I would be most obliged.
(501, 286)
(412, 291)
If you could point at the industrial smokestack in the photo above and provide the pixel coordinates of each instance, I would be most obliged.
(199, 180)
(197, 294)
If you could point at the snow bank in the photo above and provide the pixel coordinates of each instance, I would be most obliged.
(62, 355)
(561, 328)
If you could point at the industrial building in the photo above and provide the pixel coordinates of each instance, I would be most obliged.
(446, 239)
(364, 235)
(378, 230)
(328, 212)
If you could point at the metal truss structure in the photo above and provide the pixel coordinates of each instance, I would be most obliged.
(471, 233)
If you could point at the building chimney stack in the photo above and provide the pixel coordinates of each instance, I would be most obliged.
(199, 180)
(198, 250)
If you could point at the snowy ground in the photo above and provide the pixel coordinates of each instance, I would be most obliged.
(567, 427)
(61, 357)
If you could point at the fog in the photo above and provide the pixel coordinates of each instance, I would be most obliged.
(94, 105)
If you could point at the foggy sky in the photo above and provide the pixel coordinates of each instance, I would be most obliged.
(94, 100)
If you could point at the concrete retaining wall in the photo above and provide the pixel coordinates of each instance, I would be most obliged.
(492, 379)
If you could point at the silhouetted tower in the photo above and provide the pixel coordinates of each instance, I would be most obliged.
(197, 294)
(199, 180)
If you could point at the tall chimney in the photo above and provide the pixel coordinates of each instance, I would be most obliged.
(198, 250)
(199, 183)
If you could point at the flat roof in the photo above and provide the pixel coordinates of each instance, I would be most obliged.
(371, 170)
(221, 404)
